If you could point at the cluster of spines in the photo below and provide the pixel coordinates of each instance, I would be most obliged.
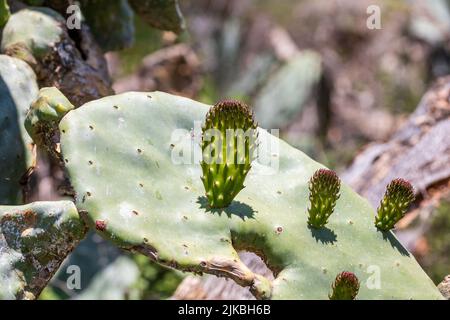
(229, 141)
(398, 197)
(345, 287)
(324, 188)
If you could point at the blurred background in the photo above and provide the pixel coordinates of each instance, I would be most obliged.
(342, 93)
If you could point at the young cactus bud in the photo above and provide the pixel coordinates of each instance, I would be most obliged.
(345, 287)
(228, 148)
(43, 118)
(397, 198)
(323, 193)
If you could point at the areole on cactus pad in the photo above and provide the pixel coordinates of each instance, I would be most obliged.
(119, 155)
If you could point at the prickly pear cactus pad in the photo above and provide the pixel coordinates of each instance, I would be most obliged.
(4, 12)
(138, 183)
(18, 88)
(161, 14)
(32, 31)
(102, 15)
(34, 240)
(40, 37)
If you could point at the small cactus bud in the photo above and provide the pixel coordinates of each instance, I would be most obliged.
(324, 192)
(396, 201)
(228, 148)
(345, 287)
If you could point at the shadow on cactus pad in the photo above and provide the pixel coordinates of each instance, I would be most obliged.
(236, 208)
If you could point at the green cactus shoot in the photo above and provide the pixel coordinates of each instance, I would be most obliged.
(228, 148)
(323, 193)
(396, 201)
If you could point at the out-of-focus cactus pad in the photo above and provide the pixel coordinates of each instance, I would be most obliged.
(111, 22)
(161, 14)
(18, 88)
(39, 36)
(4, 12)
(287, 91)
(20, 36)
(34, 240)
(123, 153)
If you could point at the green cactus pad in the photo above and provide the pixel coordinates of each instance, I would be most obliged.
(161, 14)
(18, 88)
(284, 96)
(34, 241)
(101, 16)
(119, 154)
(111, 22)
